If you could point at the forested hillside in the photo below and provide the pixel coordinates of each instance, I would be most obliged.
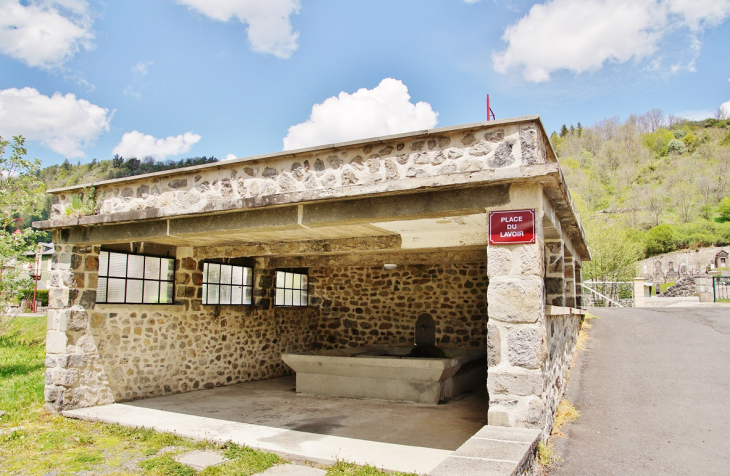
(67, 174)
(648, 185)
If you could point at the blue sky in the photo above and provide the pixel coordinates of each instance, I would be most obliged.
(182, 78)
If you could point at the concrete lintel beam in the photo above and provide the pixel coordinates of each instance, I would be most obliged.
(303, 248)
(437, 203)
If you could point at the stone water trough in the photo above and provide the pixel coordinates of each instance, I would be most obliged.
(388, 373)
(422, 373)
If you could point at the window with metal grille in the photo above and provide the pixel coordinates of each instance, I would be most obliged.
(227, 285)
(291, 288)
(135, 279)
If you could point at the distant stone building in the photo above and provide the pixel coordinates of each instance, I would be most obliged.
(200, 277)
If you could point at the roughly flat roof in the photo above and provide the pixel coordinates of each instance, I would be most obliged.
(308, 150)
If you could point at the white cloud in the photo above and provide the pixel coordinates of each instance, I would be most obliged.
(725, 110)
(133, 93)
(141, 68)
(385, 109)
(231, 157)
(269, 29)
(696, 114)
(581, 35)
(698, 13)
(136, 144)
(64, 124)
(44, 33)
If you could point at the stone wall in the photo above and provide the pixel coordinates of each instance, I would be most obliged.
(684, 287)
(562, 336)
(101, 353)
(373, 306)
(329, 172)
(658, 269)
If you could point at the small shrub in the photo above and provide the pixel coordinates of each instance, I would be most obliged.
(545, 454)
(83, 204)
(659, 239)
(676, 146)
(41, 295)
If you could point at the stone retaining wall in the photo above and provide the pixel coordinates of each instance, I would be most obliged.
(562, 337)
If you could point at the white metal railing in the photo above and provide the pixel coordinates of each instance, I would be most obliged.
(607, 294)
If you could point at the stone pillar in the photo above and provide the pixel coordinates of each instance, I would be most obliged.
(578, 287)
(516, 333)
(638, 292)
(74, 374)
(569, 274)
(705, 288)
(554, 274)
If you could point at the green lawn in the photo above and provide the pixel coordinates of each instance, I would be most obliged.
(33, 441)
(664, 286)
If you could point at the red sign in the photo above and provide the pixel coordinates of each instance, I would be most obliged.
(512, 227)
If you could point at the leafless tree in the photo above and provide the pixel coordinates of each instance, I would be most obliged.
(607, 128)
(684, 200)
(654, 201)
(672, 120)
(655, 119)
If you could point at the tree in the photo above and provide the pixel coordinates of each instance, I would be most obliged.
(20, 193)
(655, 119)
(563, 131)
(723, 209)
(659, 239)
(614, 251)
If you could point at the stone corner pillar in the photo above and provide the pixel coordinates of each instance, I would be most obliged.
(517, 340)
(639, 292)
(74, 375)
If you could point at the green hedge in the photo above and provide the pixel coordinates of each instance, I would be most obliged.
(41, 295)
(699, 234)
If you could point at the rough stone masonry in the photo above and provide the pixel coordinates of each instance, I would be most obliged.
(337, 213)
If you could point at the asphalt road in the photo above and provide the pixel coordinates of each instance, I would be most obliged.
(653, 389)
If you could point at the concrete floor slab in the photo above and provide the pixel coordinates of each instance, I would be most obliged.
(289, 443)
(274, 403)
(269, 415)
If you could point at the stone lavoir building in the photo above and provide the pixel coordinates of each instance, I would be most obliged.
(200, 277)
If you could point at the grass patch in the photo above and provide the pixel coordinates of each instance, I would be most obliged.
(244, 462)
(34, 441)
(664, 286)
(343, 468)
(22, 366)
(585, 325)
(545, 454)
(166, 466)
(565, 414)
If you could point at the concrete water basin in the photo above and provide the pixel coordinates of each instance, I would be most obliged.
(388, 373)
